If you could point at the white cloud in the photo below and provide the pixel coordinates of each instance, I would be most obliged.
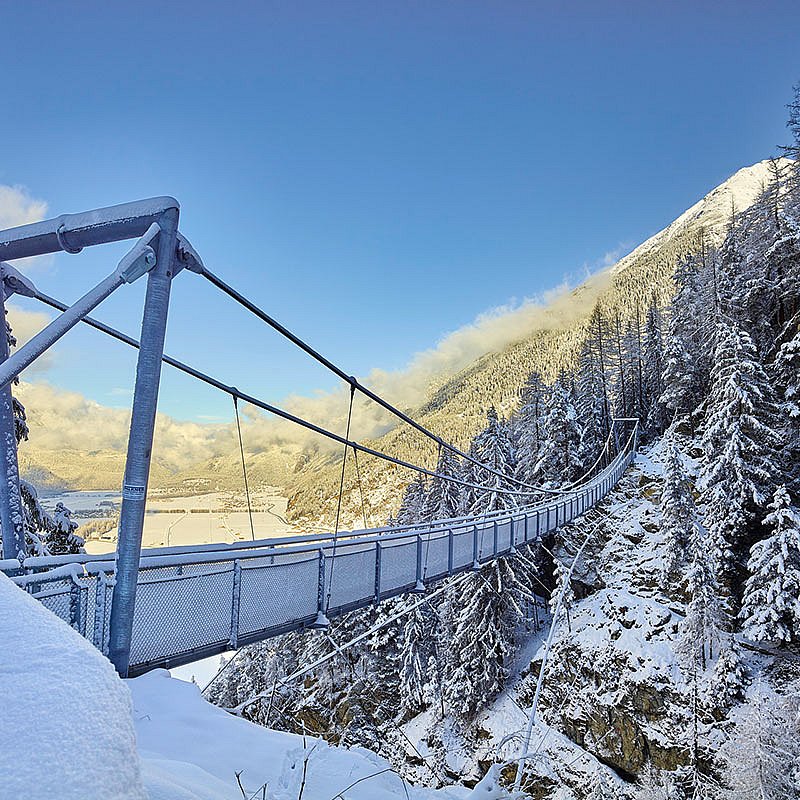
(24, 325)
(18, 207)
(63, 420)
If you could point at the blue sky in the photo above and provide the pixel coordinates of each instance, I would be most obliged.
(375, 174)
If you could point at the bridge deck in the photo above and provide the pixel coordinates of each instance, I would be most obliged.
(196, 602)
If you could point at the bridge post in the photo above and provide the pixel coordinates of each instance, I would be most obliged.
(140, 443)
(476, 565)
(12, 515)
(321, 622)
(449, 551)
(235, 604)
(377, 572)
(420, 585)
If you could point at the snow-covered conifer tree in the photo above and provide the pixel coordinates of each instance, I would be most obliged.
(442, 497)
(528, 428)
(771, 603)
(419, 668)
(739, 441)
(560, 456)
(678, 514)
(61, 538)
(655, 417)
(728, 680)
(760, 749)
(412, 506)
(493, 447)
(592, 387)
(705, 620)
(480, 644)
(687, 349)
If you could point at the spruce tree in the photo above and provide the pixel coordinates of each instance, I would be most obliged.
(739, 441)
(419, 672)
(442, 497)
(728, 680)
(687, 354)
(412, 506)
(493, 447)
(702, 628)
(759, 751)
(528, 428)
(480, 644)
(655, 415)
(61, 538)
(771, 603)
(678, 515)
(560, 456)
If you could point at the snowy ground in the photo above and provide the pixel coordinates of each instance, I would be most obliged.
(190, 748)
(81, 733)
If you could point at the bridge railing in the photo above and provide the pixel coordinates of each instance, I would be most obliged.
(205, 601)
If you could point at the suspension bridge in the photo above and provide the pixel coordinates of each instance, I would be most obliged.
(171, 606)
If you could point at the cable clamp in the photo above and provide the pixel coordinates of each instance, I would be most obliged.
(62, 242)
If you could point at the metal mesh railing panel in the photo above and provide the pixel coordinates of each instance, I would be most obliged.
(435, 548)
(351, 579)
(273, 595)
(175, 614)
(485, 542)
(398, 565)
(504, 539)
(56, 596)
(462, 548)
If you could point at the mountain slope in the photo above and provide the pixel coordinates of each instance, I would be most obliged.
(455, 408)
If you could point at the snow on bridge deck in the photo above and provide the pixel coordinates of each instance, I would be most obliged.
(194, 602)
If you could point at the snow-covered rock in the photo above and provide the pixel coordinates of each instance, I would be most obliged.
(66, 722)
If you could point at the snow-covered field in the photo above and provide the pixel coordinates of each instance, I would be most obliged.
(172, 521)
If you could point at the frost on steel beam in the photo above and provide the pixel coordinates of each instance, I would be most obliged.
(138, 261)
(11, 511)
(72, 232)
(186, 256)
(140, 443)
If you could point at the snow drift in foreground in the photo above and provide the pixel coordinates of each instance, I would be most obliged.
(192, 749)
(80, 738)
(66, 721)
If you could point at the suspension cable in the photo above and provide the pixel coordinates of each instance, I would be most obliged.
(354, 383)
(244, 467)
(285, 415)
(339, 501)
(360, 489)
